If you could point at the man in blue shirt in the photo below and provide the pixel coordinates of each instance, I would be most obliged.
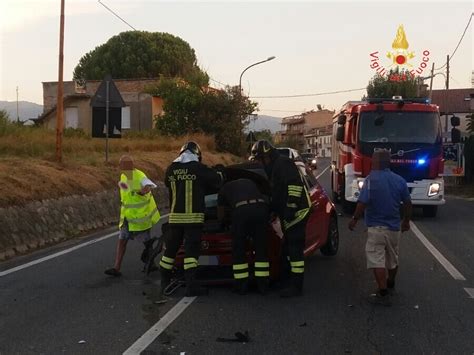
(380, 198)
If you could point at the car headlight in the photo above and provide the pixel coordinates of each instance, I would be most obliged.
(434, 189)
(360, 184)
(313, 161)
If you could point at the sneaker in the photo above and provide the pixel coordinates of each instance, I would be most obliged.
(378, 299)
(113, 272)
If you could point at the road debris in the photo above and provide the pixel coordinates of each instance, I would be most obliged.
(416, 307)
(81, 342)
(239, 338)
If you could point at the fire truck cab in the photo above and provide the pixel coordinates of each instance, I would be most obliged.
(409, 128)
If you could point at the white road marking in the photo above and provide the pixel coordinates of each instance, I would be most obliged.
(317, 177)
(470, 292)
(63, 252)
(149, 337)
(441, 259)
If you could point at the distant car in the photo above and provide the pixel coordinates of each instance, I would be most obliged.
(311, 160)
(290, 153)
(216, 241)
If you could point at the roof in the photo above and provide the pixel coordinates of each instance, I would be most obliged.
(453, 100)
(67, 98)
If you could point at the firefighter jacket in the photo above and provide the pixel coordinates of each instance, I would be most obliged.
(188, 183)
(139, 210)
(290, 197)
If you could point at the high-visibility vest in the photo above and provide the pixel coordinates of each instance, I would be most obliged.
(139, 210)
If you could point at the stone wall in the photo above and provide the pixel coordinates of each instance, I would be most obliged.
(41, 223)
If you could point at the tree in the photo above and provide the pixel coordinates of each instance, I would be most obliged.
(188, 108)
(394, 84)
(140, 54)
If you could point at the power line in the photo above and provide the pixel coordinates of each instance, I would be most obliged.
(218, 82)
(455, 49)
(306, 95)
(108, 8)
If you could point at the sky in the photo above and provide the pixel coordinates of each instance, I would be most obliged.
(320, 46)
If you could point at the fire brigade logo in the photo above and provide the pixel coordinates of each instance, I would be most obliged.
(401, 59)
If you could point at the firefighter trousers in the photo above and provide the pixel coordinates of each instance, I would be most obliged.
(250, 221)
(173, 241)
(293, 248)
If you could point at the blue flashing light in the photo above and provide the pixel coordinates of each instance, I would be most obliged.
(421, 161)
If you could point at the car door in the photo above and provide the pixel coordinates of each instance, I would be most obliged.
(313, 225)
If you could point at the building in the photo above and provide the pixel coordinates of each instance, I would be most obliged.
(296, 127)
(138, 113)
(454, 102)
(318, 141)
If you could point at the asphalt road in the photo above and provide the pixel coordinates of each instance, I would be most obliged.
(67, 305)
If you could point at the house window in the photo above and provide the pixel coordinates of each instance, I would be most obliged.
(126, 117)
(72, 117)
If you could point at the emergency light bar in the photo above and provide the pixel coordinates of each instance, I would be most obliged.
(398, 99)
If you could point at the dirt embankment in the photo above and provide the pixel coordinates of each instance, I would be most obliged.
(26, 179)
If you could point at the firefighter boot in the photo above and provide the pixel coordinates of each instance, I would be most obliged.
(192, 286)
(296, 286)
(241, 286)
(262, 285)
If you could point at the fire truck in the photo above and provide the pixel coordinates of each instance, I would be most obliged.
(409, 128)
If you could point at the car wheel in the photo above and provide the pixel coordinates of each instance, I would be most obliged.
(332, 244)
(430, 211)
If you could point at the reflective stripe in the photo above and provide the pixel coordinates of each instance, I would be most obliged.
(292, 205)
(294, 193)
(189, 266)
(295, 188)
(190, 263)
(297, 270)
(240, 266)
(297, 263)
(165, 265)
(135, 205)
(186, 218)
(144, 219)
(300, 215)
(262, 264)
(241, 275)
(262, 273)
(167, 260)
(173, 195)
(189, 196)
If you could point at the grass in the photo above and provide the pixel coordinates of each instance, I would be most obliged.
(28, 170)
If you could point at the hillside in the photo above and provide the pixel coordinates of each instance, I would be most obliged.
(26, 109)
(264, 122)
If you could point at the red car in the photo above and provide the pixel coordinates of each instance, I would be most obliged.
(216, 243)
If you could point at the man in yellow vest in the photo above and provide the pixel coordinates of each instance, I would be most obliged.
(138, 211)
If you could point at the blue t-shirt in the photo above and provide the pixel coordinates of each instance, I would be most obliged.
(382, 193)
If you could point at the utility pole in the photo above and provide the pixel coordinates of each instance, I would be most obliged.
(107, 98)
(431, 81)
(447, 100)
(17, 115)
(60, 104)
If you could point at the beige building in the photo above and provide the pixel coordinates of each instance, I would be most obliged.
(137, 114)
(318, 141)
(295, 128)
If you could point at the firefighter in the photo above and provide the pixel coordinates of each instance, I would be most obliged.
(291, 203)
(188, 181)
(249, 218)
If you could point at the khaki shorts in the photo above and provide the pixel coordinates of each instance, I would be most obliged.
(382, 248)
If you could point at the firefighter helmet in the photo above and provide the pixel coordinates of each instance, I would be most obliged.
(193, 147)
(262, 148)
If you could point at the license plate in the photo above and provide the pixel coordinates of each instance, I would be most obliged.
(208, 260)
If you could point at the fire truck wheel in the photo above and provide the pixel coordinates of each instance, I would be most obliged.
(332, 244)
(430, 211)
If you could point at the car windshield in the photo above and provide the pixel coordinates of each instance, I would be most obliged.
(308, 156)
(399, 126)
